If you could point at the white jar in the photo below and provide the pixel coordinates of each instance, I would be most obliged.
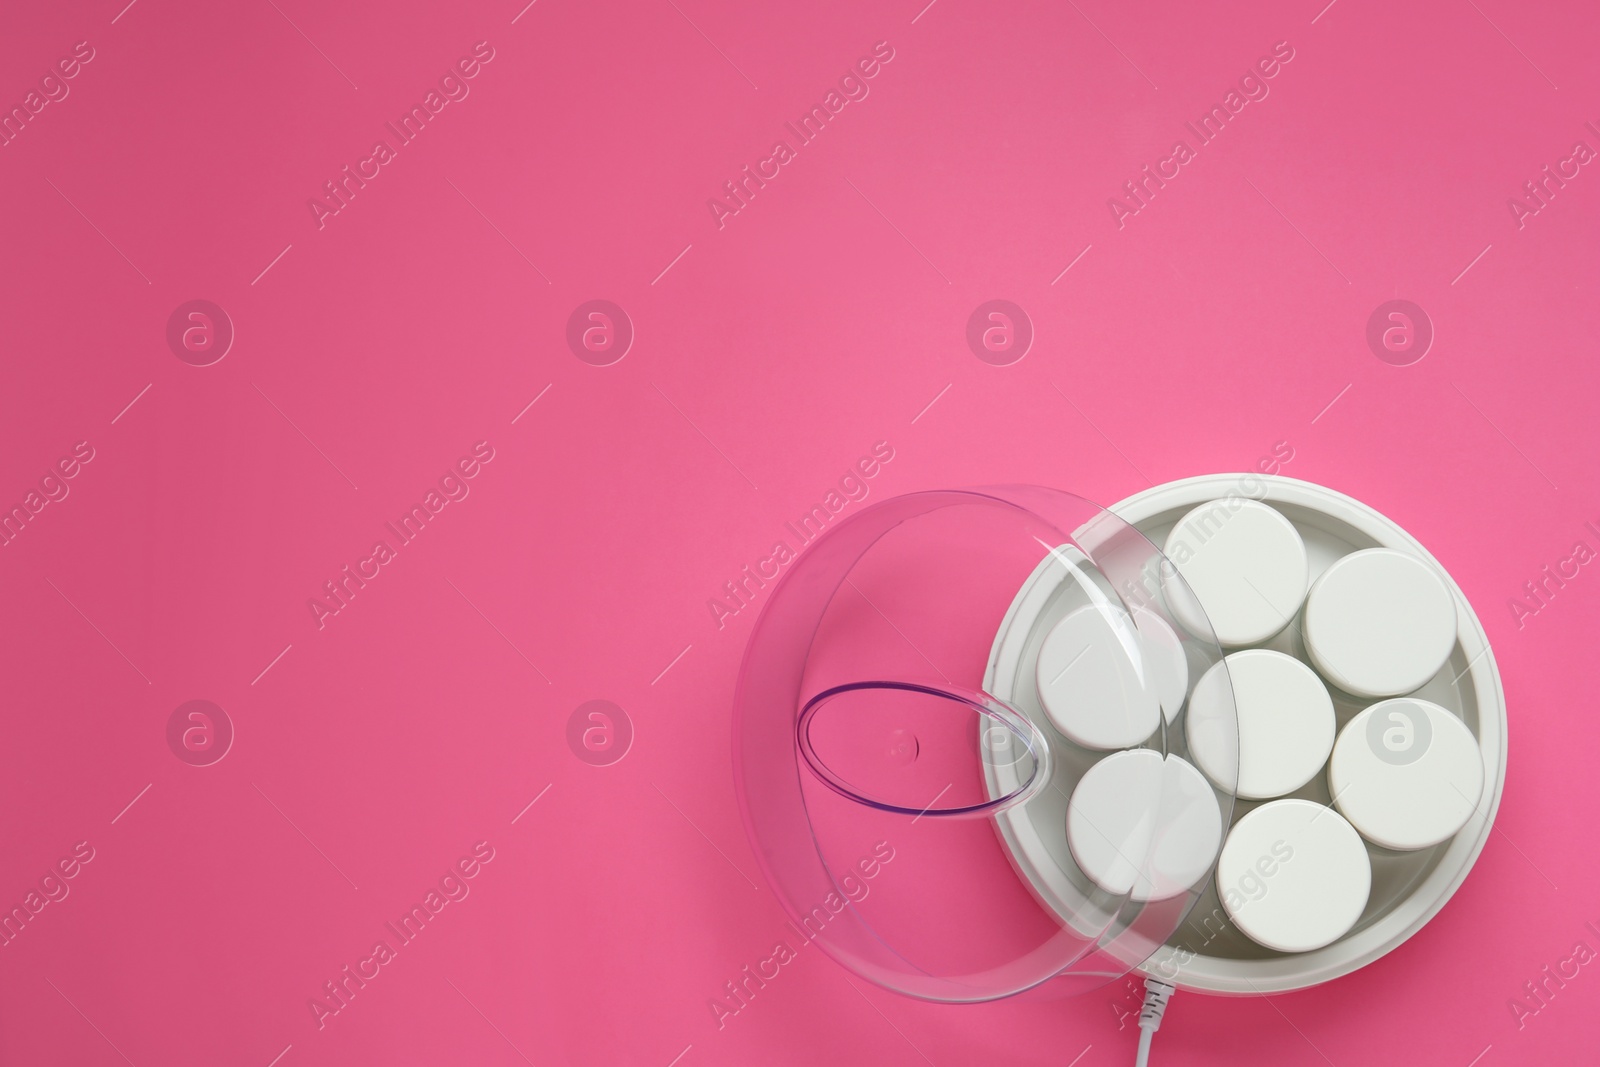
(1379, 623)
(1273, 736)
(1244, 563)
(1294, 876)
(1143, 825)
(1406, 773)
(1092, 682)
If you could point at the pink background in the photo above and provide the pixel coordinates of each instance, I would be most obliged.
(770, 355)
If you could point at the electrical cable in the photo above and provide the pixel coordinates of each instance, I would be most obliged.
(1156, 995)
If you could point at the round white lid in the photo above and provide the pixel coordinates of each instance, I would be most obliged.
(1246, 565)
(1283, 731)
(1144, 825)
(1406, 773)
(1166, 665)
(1380, 622)
(1091, 682)
(1294, 876)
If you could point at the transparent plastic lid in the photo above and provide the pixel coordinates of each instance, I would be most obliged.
(959, 744)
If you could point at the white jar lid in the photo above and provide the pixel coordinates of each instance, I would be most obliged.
(1166, 665)
(1294, 876)
(1091, 680)
(1406, 773)
(1245, 563)
(1380, 622)
(1144, 825)
(1277, 731)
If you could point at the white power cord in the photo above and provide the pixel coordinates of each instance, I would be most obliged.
(1156, 995)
